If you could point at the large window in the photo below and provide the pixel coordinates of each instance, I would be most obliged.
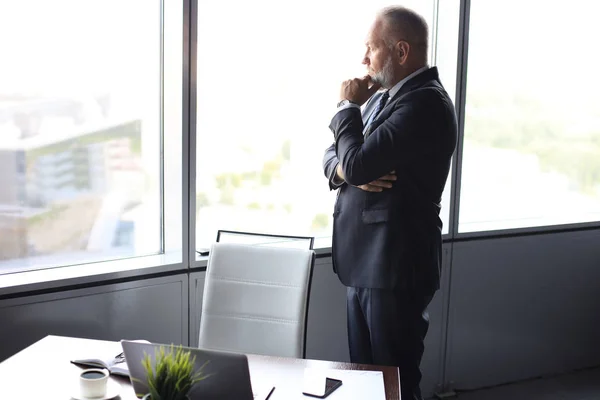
(92, 113)
(81, 126)
(532, 136)
(268, 82)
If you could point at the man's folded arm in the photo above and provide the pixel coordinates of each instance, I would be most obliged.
(399, 138)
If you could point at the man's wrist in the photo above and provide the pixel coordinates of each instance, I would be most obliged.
(338, 176)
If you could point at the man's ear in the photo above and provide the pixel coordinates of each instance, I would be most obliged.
(402, 49)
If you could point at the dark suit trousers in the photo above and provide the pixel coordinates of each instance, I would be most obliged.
(387, 327)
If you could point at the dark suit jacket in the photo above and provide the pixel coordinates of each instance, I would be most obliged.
(393, 239)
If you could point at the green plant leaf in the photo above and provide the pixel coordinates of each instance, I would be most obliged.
(172, 376)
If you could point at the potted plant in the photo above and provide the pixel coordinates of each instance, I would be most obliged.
(172, 376)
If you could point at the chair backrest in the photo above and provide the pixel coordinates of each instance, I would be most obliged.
(265, 239)
(256, 300)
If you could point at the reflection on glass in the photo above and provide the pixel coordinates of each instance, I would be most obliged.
(80, 130)
(532, 137)
(267, 90)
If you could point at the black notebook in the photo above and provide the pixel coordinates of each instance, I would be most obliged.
(114, 363)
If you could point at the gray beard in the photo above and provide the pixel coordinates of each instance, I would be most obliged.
(386, 75)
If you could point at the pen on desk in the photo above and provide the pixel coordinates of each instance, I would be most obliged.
(270, 393)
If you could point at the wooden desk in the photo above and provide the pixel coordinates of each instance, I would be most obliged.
(43, 370)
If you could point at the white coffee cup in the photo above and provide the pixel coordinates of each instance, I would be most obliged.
(92, 382)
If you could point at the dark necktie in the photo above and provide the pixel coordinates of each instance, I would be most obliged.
(382, 100)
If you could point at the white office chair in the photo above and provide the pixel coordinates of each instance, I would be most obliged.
(256, 299)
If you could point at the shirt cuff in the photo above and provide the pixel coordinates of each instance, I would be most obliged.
(346, 106)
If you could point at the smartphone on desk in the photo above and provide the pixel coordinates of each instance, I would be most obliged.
(314, 387)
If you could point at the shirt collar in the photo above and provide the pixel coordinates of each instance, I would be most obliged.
(396, 88)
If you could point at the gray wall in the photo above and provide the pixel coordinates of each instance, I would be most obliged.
(509, 309)
(523, 307)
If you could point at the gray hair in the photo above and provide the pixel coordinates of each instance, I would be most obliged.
(401, 23)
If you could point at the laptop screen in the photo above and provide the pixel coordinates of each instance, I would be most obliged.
(228, 373)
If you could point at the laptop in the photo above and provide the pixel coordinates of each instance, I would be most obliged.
(230, 375)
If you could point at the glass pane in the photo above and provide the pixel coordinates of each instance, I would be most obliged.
(268, 85)
(80, 123)
(532, 135)
(172, 127)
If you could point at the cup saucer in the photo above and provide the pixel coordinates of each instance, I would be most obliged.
(113, 388)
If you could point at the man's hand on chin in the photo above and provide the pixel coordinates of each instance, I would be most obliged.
(358, 90)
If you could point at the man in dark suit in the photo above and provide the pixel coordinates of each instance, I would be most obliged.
(390, 165)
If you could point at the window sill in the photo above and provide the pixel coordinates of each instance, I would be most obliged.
(51, 279)
(97, 273)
